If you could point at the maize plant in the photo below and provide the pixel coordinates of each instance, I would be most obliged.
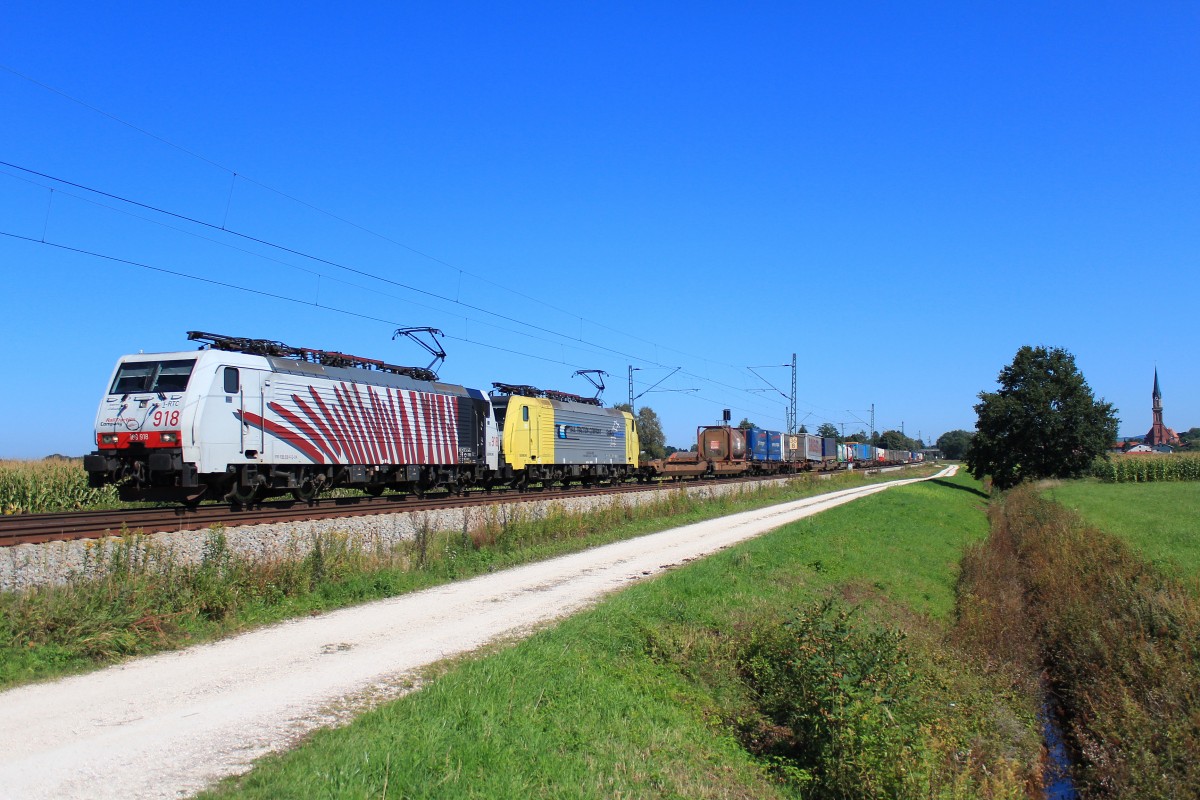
(53, 484)
(1146, 468)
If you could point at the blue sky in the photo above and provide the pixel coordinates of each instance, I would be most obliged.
(902, 196)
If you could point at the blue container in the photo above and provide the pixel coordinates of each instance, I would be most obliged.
(756, 444)
(764, 445)
(829, 447)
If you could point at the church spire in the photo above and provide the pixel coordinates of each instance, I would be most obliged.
(1159, 433)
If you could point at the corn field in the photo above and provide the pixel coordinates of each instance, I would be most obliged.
(1146, 468)
(53, 484)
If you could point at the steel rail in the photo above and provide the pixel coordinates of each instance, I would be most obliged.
(41, 528)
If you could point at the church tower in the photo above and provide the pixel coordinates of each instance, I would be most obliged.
(1159, 433)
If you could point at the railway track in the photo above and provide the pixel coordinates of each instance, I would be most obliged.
(40, 528)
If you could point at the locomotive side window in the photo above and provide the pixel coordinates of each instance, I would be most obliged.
(525, 413)
(153, 376)
(231, 380)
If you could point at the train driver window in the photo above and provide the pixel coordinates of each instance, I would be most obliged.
(525, 413)
(231, 380)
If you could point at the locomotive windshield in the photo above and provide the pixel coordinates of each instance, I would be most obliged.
(153, 376)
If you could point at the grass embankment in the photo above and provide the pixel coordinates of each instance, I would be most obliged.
(1118, 638)
(815, 661)
(142, 599)
(1159, 520)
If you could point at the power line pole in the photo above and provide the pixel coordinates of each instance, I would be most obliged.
(631, 388)
(871, 434)
(792, 408)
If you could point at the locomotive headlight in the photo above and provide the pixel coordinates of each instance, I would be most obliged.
(169, 438)
(109, 438)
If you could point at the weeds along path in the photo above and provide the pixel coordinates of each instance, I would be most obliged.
(171, 724)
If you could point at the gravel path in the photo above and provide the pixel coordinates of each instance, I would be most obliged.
(169, 725)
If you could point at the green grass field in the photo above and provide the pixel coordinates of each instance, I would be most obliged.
(662, 690)
(1160, 520)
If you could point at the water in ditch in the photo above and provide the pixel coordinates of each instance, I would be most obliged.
(1057, 783)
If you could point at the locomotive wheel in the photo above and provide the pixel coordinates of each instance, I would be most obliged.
(192, 501)
(242, 495)
(306, 492)
(375, 489)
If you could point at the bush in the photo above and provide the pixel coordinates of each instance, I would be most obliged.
(840, 698)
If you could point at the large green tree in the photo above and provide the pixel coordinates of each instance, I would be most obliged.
(953, 444)
(1042, 423)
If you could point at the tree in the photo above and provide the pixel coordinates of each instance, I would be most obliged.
(953, 444)
(859, 436)
(828, 430)
(1042, 423)
(1190, 439)
(895, 440)
(650, 432)
(746, 424)
(803, 428)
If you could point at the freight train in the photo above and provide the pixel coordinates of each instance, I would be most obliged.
(721, 450)
(243, 419)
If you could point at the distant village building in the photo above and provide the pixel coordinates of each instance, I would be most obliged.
(1159, 434)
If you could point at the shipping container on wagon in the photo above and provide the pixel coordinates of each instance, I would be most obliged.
(829, 448)
(757, 444)
(812, 447)
(722, 443)
(774, 446)
(791, 447)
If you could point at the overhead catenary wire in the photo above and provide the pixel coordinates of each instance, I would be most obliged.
(348, 268)
(312, 257)
(288, 299)
(234, 175)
